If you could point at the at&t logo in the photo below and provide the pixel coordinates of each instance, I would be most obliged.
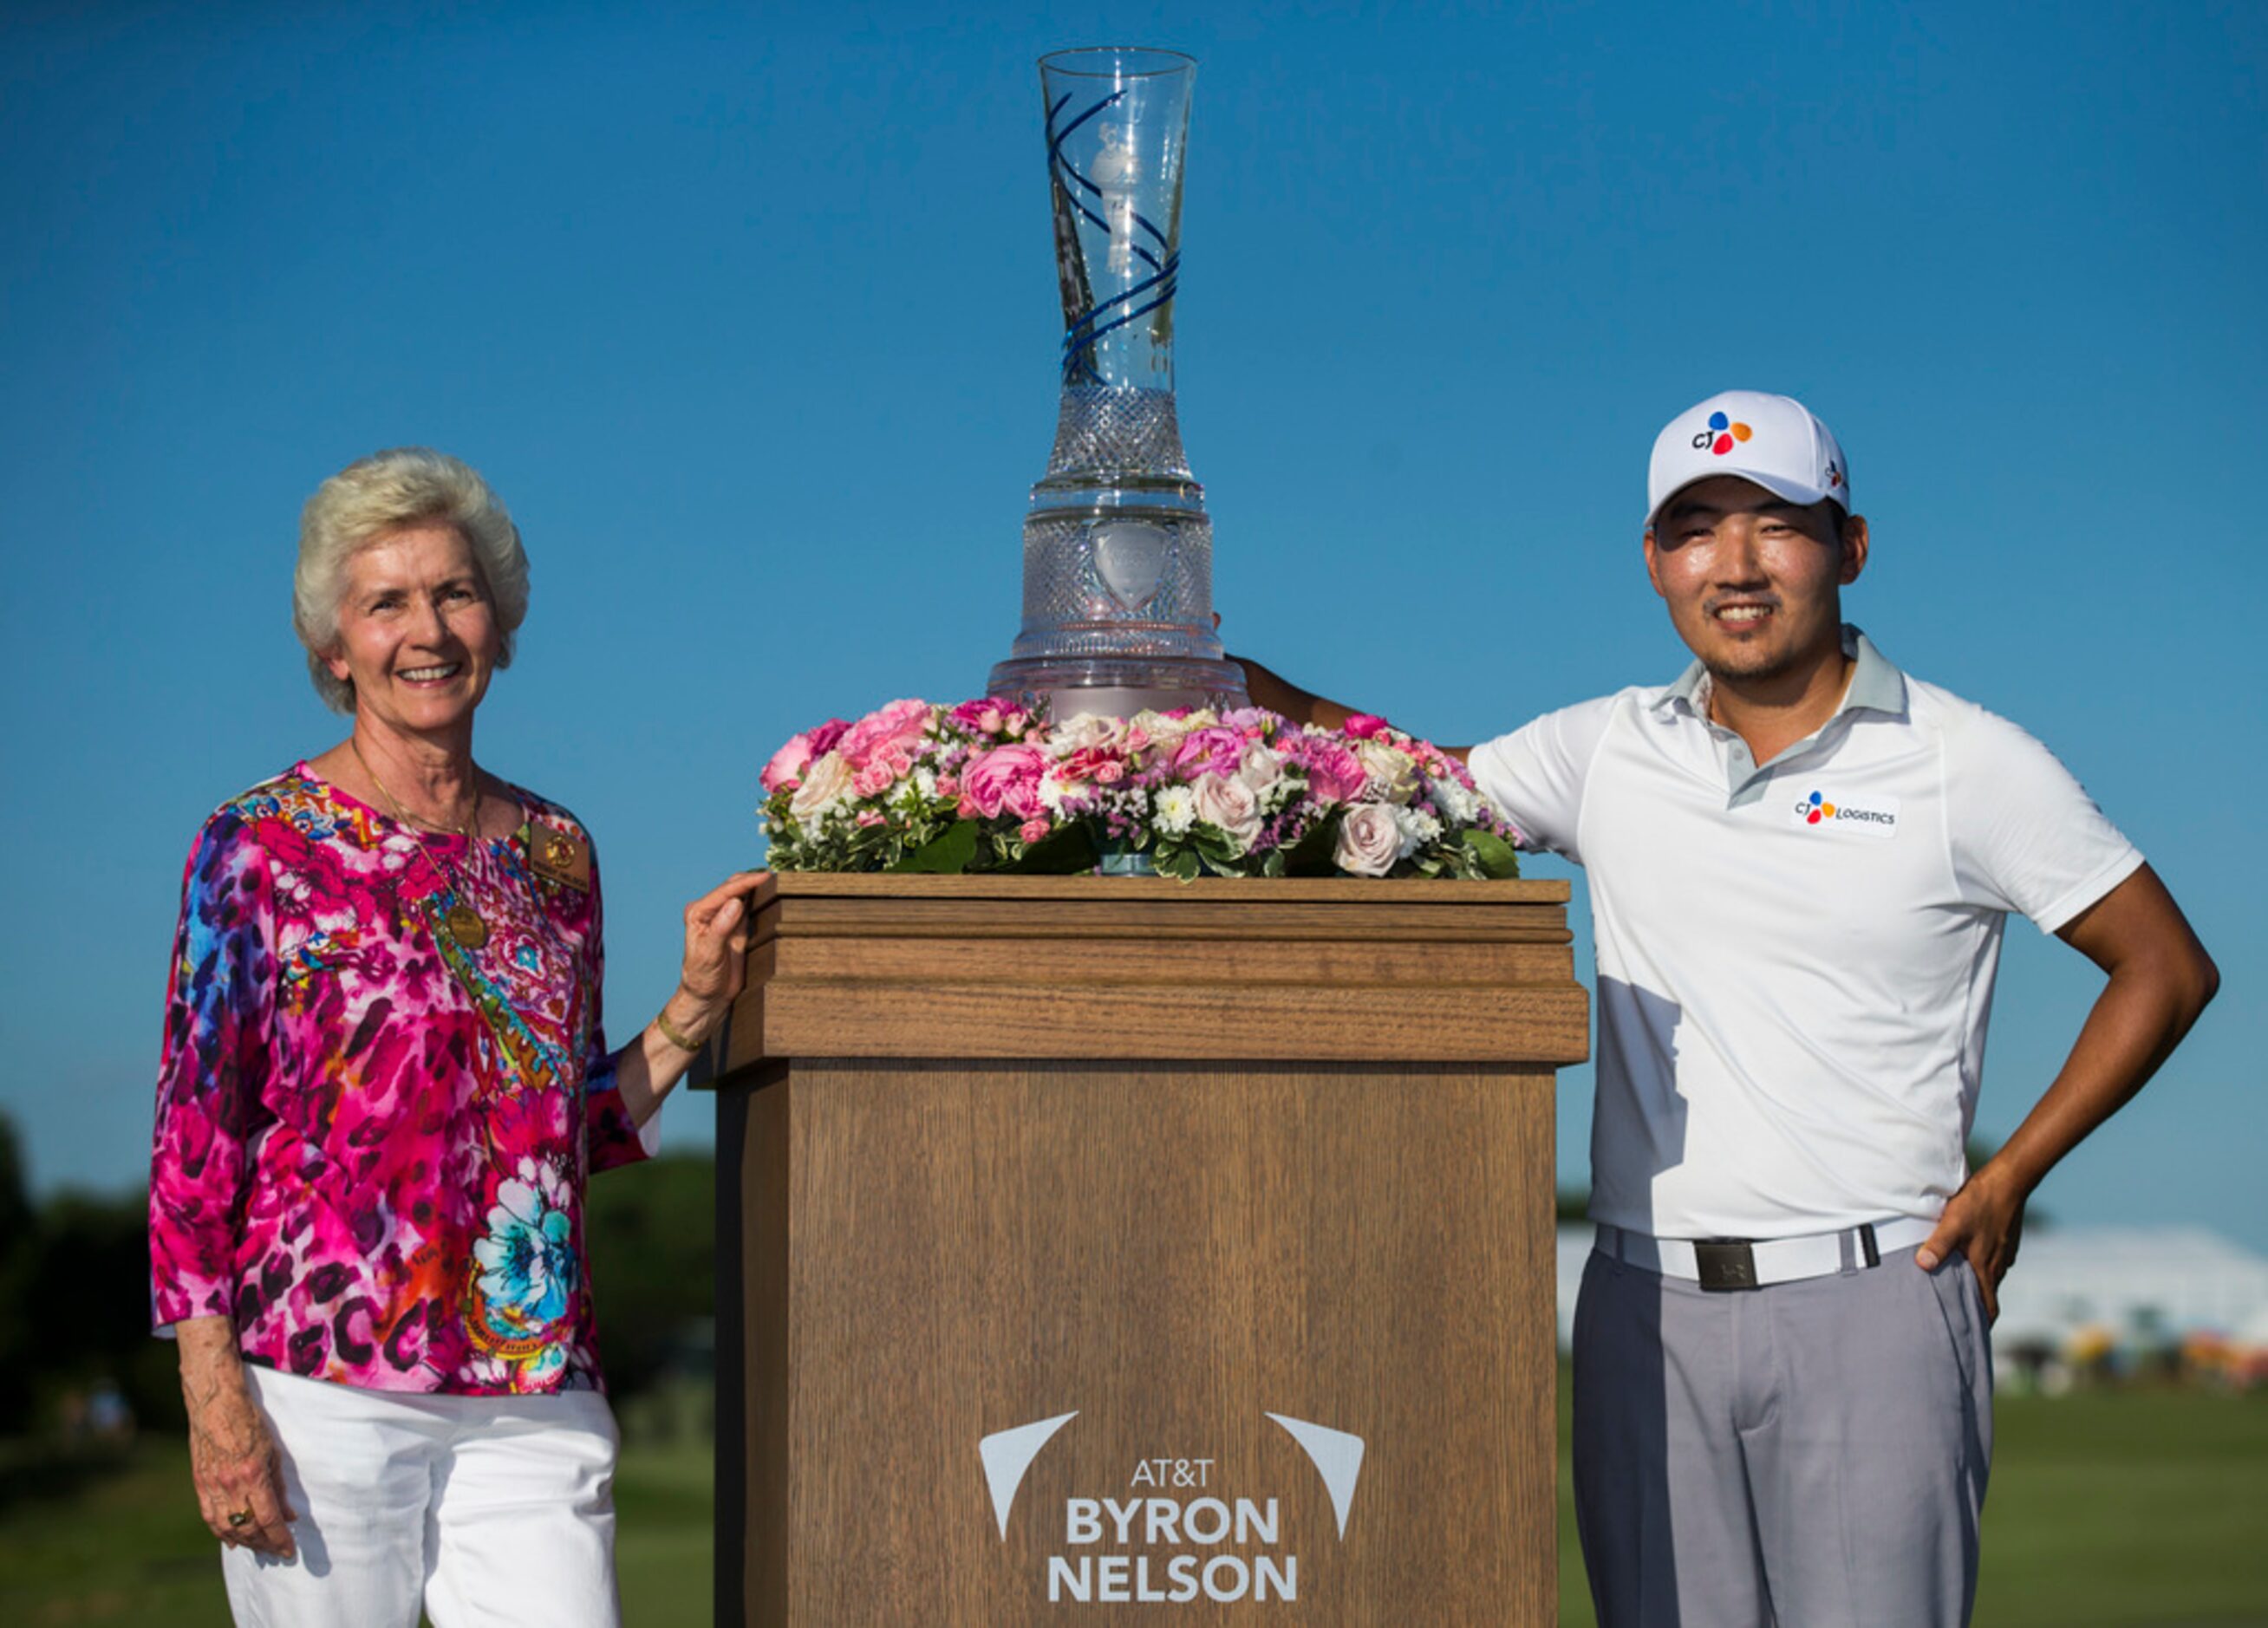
(1182, 1536)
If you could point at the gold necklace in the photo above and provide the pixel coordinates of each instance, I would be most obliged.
(464, 921)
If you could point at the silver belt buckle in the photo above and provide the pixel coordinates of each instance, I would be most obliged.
(1724, 1262)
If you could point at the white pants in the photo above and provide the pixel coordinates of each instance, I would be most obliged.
(492, 1512)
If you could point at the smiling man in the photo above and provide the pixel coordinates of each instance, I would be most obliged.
(1800, 862)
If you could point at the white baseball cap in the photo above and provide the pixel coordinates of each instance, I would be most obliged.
(1770, 439)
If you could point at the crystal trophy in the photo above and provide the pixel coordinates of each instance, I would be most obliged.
(1117, 548)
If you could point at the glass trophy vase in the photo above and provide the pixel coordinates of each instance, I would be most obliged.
(1118, 549)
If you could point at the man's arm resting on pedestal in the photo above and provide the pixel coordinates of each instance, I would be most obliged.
(2161, 978)
(1279, 695)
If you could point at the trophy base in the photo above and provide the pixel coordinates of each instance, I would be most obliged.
(1118, 686)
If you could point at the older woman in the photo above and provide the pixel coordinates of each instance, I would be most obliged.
(384, 1082)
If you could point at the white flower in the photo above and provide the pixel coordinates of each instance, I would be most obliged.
(1168, 732)
(1263, 772)
(1461, 807)
(1175, 810)
(1369, 842)
(825, 783)
(1229, 804)
(1051, 793)
(1086, 733)
(1393, 772)
(529, 1270)
(486, 1370)
(925, 781)
(1416, 829)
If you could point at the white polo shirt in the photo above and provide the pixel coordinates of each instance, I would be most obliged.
(1795, 960)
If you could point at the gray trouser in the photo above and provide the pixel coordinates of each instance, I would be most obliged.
(1811, 1455)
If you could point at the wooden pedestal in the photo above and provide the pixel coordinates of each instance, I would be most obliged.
(1171, 1160)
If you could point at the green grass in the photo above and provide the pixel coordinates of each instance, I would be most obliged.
(2149, 1508)
(2139, 1509)
(119, 1541)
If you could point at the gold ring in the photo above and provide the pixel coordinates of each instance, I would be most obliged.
(239, 1517)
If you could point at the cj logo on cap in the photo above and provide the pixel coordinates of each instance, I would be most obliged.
(1720, 435)
(1872, 816)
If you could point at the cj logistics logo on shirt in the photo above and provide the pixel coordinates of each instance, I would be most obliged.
(1870, 816)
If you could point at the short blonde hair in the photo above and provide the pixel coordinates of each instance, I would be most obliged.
(380, 495)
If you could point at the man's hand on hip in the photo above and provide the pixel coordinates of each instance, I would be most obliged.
(1985, 1221)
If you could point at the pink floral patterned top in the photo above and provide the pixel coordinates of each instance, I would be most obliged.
(371, 1139)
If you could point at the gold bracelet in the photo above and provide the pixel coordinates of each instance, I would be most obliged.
(669, 1032)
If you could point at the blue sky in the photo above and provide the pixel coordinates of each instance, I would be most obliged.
(749, 314)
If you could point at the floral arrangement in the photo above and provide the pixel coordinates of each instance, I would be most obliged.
(989, 786)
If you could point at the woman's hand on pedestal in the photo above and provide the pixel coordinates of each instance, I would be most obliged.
(713, 972)
(715, 968)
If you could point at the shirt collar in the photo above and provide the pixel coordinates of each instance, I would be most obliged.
(1876, 684)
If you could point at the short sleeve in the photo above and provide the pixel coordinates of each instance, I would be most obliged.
(2025, 836)
(212, 1072)
(1534, 777)
(612, 1137)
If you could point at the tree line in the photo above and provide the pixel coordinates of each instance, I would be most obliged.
(75, 1288)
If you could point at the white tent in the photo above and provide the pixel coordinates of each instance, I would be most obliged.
(2175, 1281)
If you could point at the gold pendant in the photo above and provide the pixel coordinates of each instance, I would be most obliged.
(466, 926)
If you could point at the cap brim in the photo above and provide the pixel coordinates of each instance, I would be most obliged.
(1778, 485)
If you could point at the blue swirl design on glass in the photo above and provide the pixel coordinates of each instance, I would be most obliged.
(1089, 326)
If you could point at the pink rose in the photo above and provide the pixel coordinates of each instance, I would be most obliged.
(1033, 829)
(948, 786)
(1228, 803)
(874, 779)
(870, 817)
(824, 784)
(1334, 774)
(1080, 766)
(1006, 779)
(824, 737)
(1210, 751)
(1362, 726)
(1368, 841)
(977, 718)
(787, 765)
(891, 730)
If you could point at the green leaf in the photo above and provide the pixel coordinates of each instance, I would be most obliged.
(1182, 865)
(1495, 857)
(947, 855)
(1067, 851)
